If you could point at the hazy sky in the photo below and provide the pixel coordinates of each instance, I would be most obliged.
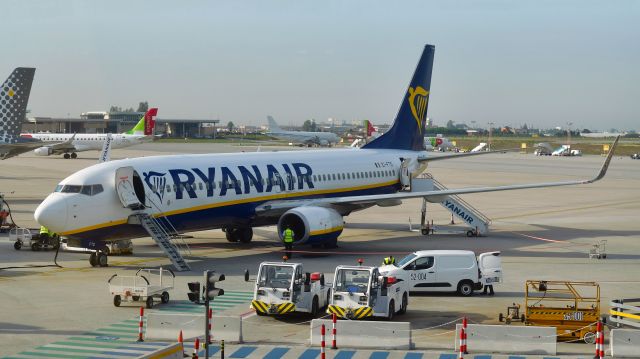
(510, 62)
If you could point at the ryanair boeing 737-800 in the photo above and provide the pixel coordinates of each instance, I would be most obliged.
(309, 191)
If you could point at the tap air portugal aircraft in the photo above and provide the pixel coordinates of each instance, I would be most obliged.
(308, 191)
(142, 132)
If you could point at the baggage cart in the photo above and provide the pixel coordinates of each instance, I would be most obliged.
(145, 285)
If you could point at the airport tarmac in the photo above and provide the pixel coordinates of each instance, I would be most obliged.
(542, 233)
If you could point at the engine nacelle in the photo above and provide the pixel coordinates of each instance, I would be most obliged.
(312, 225)
(43, 151)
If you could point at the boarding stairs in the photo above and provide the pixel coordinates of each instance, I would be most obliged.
(161, 234)
(458, 207)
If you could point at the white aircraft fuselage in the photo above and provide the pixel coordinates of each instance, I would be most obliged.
(87, 142)
(199, 192)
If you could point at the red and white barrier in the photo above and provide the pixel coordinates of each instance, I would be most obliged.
(599, 341)
(463, 339)
(333, 332)
(322, 352)
(196, 348)
(140, 324)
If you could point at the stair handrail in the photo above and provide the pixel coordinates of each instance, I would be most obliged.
(471, 208)
(171, 232)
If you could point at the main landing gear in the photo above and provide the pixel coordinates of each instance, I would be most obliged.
(98, 259)
(70, 155)
(238, 234)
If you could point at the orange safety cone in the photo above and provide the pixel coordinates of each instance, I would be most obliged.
(181, 341)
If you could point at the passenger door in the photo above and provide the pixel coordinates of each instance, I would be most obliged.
(421, 273)
(125, 188)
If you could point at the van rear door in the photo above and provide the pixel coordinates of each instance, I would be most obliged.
(490, 265)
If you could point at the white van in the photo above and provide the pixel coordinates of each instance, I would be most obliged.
(447, 270)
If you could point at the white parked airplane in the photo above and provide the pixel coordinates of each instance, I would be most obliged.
(437, 143)
(142, 132)
(302, 137)
(308, 191)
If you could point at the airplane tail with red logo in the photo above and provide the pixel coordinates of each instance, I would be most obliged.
(407, 132)
(146, 125)
(150, 121)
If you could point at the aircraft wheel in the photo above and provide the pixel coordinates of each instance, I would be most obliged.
(230, 233)
(102, 260)
(66, 156)
(245, 235)
(93, 260)
(74, 155)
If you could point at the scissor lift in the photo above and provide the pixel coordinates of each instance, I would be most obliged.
(572, 307)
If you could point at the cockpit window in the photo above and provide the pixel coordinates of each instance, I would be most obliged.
(71, 189)
(88, 190)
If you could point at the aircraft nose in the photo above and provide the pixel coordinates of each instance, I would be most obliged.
(52, 213)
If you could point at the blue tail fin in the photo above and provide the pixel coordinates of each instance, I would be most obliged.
(407, 132)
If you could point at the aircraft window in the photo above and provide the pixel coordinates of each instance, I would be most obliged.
(334, 176)
(315, 179)
(96, 188)
(71, 189)
(342, 175)
(200, 185)
(86, 190)
(175, 188)
(58, 188)
(324, 178)
(168, 189)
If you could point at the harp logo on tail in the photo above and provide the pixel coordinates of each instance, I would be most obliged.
(418, 100)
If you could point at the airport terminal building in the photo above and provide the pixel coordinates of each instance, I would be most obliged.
(118, 122)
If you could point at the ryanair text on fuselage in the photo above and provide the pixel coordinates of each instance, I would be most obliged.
(244, 180)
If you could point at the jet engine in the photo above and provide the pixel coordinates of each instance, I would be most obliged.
(312, 225)
(43, 151)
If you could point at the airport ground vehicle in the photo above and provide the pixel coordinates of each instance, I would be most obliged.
(283, 288)
(119, 247)
(360, 292)
(32, 238)
(635, 156)
(447, 270)
(138, 287)
(572, 307)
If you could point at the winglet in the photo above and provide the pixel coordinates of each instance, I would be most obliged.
(605, 165)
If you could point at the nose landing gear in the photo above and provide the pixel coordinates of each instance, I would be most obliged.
(98, 259)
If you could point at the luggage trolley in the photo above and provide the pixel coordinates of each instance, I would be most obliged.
(138, 287)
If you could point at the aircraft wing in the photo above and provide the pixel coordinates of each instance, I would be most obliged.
(466, 154)
(14, 149)
(373, 199)
(62, 147)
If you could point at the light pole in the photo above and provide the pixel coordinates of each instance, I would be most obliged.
(569, 134)
(490, 131)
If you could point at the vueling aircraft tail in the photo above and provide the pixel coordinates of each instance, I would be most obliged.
(407, 132)
(14, 95)
(146, 124)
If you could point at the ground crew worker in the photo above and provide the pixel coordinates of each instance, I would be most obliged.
(389, 260)
(44, 233)
(489, 287)
(287, 238)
